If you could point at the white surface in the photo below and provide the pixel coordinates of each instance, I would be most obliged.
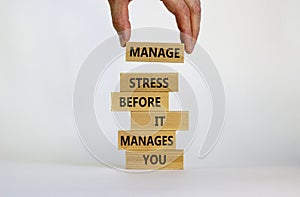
(61, 180)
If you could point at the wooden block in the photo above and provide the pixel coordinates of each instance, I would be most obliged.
(154, 52)
(160, 120)
(160, 160)
(149, 82)
(146, 140)
(139, 101)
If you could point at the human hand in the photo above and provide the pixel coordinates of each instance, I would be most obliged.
(187, 13)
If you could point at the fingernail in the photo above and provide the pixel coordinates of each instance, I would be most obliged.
(188, 42)
(122, 40)
(190, 46)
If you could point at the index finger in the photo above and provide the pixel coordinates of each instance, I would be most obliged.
(195, 10)
(183, 18)
(120, 19)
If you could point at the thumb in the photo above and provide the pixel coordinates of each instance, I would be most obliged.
(120, 19)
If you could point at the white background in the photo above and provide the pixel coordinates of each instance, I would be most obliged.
(255, 45)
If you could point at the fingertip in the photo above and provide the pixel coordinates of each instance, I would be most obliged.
(188, 42)
(124, 37)
(189, 49)
(127, 34)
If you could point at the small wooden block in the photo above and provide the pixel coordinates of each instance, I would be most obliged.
(159, 160)
(149, 82)
(154, 52)
(146, 140)
(160, 120)
(139, 101)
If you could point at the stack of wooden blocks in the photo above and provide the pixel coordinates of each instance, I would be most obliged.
(151, 142)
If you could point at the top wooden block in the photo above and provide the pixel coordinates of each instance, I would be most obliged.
(154, 52)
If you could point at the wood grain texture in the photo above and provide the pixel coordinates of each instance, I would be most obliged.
(149, 82)
(154, 52)
(141, 98)
(174, 160)
(146, 140)
(175, 120)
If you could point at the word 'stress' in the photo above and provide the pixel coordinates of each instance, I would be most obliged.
(151, 142)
